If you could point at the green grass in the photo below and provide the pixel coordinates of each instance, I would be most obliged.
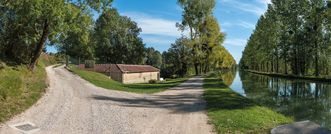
(232, 113)
(21, 88)
(103, 81)
(57, 65)
(321, 78)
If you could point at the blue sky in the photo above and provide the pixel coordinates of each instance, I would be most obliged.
(157, 19)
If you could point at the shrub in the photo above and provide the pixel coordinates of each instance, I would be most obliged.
(89, 63)
(152, 81)
(173, 76)
(2, 65)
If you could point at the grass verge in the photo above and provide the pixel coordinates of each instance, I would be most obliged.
(21, 88)
(291, 76)
(232, 113)
(103, 81)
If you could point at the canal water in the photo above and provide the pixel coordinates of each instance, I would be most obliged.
(302, 100)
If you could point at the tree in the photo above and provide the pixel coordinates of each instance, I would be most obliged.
(153, 58)
(76, 43)
(116, 39)
(211, 37)
(28, 30)
(205, 36)
(295, 34)
(194, 15)
(177, 59)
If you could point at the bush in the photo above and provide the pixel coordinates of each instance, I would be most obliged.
(152, 81)
(89, 63)
(2, 65)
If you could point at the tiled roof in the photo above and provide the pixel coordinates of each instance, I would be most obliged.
(136, 68)
(105, 68)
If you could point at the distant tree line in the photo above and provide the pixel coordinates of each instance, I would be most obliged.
(292, 37)
(26, 27)
(202, 50)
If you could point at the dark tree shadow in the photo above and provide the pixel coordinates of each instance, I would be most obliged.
(185, 102)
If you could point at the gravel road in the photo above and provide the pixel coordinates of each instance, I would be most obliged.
(73, 105)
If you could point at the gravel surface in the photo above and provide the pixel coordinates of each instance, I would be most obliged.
(73, 105)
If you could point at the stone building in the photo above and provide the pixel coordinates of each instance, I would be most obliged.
(127, 74)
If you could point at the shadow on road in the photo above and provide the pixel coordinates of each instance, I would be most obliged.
(184, 99)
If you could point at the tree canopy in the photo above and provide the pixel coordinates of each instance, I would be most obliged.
(24, 32)
(292, 37)
(205, 36)
(116, 40)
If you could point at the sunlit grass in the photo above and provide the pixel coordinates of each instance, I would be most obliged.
(21, 88)
(232, 113)
(103, 81)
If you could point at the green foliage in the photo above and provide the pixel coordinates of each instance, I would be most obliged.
(77, 42)
(89, 63)
(153, 58)
(116, 39)
(103, 81)
(292, 37)
(20, 88)
(27, 25)
(152, 81)
(176, 60)
(232, 113)
(202, 50)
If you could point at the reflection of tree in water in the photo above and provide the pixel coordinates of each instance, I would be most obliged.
(300, 99)
(228, 76)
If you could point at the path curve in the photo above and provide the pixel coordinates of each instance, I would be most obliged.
(73, 105)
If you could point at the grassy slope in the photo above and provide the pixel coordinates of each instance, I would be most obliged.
(20, 88)
(233, 113)
(291, 76)
(104, 82)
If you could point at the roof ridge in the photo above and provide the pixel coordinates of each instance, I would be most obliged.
(119, 68)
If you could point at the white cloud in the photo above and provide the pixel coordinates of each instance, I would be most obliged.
(157, 40)
(240, 23)
(235, 42)
(246, 24)
(266, 2)
(154, 25)
(247, 7)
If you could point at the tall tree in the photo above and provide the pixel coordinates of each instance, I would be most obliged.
(28, 30)
(153, 57)
(76, 43)
(295, 34)
(194, 15)
(116, 39)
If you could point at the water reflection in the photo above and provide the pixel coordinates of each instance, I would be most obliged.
(303, 100)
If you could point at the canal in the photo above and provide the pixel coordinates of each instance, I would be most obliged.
(302, 100)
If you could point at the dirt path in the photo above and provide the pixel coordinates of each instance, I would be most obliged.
(73, 105)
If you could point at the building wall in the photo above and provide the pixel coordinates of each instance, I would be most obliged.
(117, 76)
(130, 78)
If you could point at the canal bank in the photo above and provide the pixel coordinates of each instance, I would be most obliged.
(231, 112)
(300, 99)
(289, 76)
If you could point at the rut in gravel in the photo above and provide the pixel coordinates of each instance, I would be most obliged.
(72, 105)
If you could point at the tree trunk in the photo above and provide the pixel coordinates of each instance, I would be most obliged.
(196, 68)
(316, 59)
(286, 66)
(40, 46)
(277, 65)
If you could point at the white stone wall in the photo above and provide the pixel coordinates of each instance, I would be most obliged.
(130, 78)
